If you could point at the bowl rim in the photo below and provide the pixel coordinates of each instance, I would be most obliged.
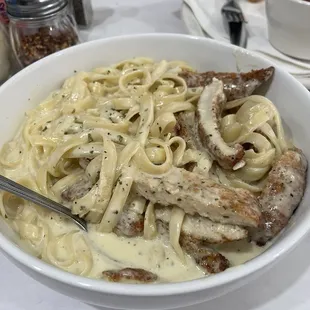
(302, 2)
(141, 290)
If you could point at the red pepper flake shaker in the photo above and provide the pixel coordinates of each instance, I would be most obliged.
(39, 28)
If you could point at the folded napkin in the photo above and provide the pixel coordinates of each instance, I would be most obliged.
(208, 14)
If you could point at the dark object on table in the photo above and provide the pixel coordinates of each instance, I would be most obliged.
(39, 28)
(83, 12)
(3, 15)
(235, 23)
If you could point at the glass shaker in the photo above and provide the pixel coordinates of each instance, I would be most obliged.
(39, 28)
(5, 53)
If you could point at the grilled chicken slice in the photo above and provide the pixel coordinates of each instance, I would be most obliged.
(200, 129)
(195, 227)
(202, 229)
(207, 259)
(196, 194)
(208, 115)
(282, 194)
(236, 85)
(77, 190)
(130, 224)
(129, 275)
(187, 129)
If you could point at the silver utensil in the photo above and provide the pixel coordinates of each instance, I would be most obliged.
(235, 23)
(27, 194)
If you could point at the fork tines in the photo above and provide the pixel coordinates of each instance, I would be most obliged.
(234, 20)
(234, 17)
(232, 12)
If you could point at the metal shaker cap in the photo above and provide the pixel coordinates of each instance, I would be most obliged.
(33, 9)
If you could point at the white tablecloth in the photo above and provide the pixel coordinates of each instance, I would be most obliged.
(285, 287)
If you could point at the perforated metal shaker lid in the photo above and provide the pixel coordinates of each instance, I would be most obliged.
(34, 8)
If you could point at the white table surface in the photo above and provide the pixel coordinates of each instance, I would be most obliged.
(285, 287)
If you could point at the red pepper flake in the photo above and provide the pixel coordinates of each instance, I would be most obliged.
(44, 42)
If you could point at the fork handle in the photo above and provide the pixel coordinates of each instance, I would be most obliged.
(27, 194)
(238, 35)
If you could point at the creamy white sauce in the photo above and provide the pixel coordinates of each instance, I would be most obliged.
(239, 252)
(110, 252)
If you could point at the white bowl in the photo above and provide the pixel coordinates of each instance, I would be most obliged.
(289, 27)
(30, 86)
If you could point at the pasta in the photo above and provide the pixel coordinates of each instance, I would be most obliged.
(253, 124)
(74, 146)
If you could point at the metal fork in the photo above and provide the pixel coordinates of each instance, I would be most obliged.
(235, 22)
(27, 194)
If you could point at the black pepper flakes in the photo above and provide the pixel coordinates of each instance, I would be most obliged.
(90, 138)
(120, 139)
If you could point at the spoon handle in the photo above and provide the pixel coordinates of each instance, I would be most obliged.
(27, 194)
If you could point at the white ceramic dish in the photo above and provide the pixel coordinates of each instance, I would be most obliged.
(289, 27)
(30, 86)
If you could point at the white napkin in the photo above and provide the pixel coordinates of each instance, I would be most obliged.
(208, 14)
